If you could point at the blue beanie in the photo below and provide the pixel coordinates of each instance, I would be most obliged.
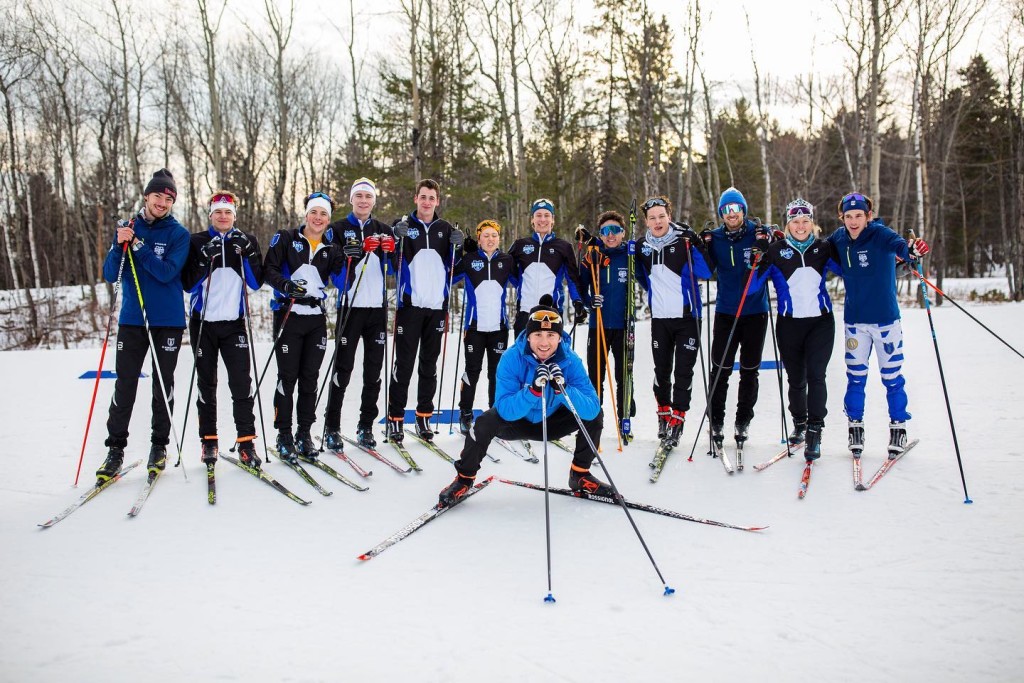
(731, 196)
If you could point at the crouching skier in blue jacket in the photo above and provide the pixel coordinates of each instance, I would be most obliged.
(538, 360)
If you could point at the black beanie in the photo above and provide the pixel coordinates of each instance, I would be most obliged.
(546, 304)
(162, 181)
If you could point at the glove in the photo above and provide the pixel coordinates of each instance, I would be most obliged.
(470, 246)
(555, 377)
(580, 310)
(918, 248)
(371, 243)
(597, 302)
(541, 378)
(125, 231)
(242, 245)
(777, 234)
(707, 237)
(685, 232)
(584, 237)
(352, 248)
(401, 228)
(293, 289)
(762, 238)
(458, 238)
(210, 251)
(387, 244)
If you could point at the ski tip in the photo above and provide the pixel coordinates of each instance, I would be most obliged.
(549, 598)
(669, 590)
(861, 487)
(364, 557)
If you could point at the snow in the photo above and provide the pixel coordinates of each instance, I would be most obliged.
(901, 583)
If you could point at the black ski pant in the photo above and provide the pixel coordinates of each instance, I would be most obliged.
(749, 337)
(675, 343)
(614, 345)
(479, 344)
(132, 346)
(423, 328)
(367, 325)
(229, 340)
(805, 345)
(300, 351)
(561, 423)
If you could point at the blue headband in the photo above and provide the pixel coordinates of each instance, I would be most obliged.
(542, 204)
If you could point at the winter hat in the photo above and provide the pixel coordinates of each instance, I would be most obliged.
(544, 317)
(223, 200)
(542, 204)
(853, 202)
(162, 181)
(363, 185)
(487, 224)
(799, 207)
(731, 196)
(320, 199)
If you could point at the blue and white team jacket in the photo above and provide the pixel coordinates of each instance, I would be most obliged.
(427, 259)
(222, 299)
(543, 267)
(799, 278)
(368, 271)
(665, 274)
(486, 281)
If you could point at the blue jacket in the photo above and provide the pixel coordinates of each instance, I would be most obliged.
(613, 278)
(731, 257)
(159, 260)
(868, 266)
(513, 398)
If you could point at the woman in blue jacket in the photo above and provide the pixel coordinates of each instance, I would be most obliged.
(540, 363)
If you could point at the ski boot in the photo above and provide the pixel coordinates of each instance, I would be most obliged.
(897, 438)
(583, 480)
(465, 421)
(675, 428)
(664, 414)
(396, 430)
(286, 447)
(157, 459)
(364, 436)
(717, 439)
(741, 433)
(812, 451)
(333, 441)
(210, 449)
(111, 466)
(799, 433)
(247, 454)
(453, 493)
(423, 429)
(856, 437)
(304, 447)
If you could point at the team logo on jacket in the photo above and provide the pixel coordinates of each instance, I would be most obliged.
(623, 275)
(275, 239)
(414, 233)
(297, 246)
(528, 249)
(501, 266)
(438, 234)
(646, 249)
(862, 258)
(787, 252)
(477, 265)
(159, 250)
(350, 234)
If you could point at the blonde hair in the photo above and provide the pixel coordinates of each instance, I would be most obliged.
(815, 228)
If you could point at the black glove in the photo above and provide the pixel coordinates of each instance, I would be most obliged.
(352, 248)
(470, 246)
(458, 238)
(762, 238)
(685, 232)
(597, 301)
(584, 237)
(242, 245)
(706, 237)
(209, 251)
(293, 289)
(401, 228)
(556, 378)
(541, 378)
(580, 310)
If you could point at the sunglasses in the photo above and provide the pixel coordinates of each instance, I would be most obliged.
(217, 198)
(546, 317)
(653, 202)
(732, 208)
(320, 194)
(798, 211)
(611, 229)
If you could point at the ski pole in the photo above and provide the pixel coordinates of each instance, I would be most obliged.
(156, 361)
(444, 349)
(602, 341)
(618, 496)
(725, 353)
(698, 319)
(277, 338)
(103, 353)
(455, 384)
(778, 372)
(384, 310)
(942, 377)
(547, 496)
(252, 352)
(195, 360)
(926, 281)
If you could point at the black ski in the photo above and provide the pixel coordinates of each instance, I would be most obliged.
(211, 485)
(263, 476)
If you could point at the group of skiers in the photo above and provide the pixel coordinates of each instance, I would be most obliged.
(537, 386)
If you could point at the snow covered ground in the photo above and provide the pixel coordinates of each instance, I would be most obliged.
(901, 583)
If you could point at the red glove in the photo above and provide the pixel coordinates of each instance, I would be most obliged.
(778, 235)
(918, 248)
(370, 243)
(387, 244)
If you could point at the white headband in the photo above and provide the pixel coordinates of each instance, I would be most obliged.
(222, 205)
(321, 202)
